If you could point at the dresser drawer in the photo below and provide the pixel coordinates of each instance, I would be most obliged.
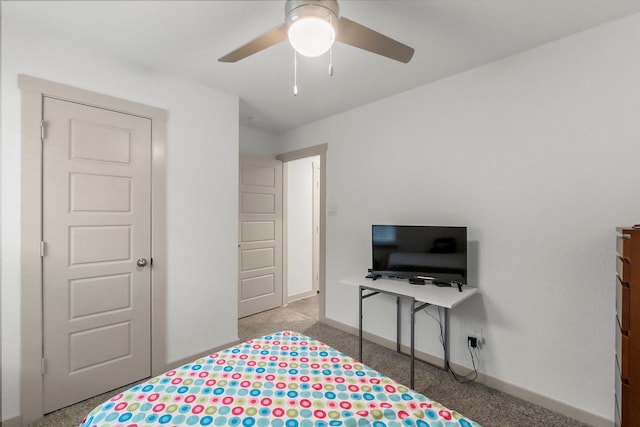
(618, 398)
(622, 354)
(623, 247)
(624, 269)
(623, 305)
(622, 399)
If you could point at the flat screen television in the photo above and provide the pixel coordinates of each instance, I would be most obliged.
(403, 251)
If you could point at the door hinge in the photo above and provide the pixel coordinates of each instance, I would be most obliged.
(151, 261)
(42, 126)
(42, 248)
(43, 366)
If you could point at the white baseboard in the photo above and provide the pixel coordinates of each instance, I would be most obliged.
(300, 296)
(12, 422)
(495, 383)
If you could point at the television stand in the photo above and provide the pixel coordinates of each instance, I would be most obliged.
(419, 298)
(373, 276)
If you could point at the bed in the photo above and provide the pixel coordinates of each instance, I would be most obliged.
(285, 379)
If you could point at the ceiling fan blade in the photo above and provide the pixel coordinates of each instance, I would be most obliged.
(268, 39)
(354, 34)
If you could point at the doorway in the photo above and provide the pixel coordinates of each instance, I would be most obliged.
(302, 228)
(316, 257)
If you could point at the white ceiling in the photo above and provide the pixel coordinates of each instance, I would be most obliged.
(185, 38)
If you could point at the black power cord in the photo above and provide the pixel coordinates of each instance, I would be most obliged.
(473, 352)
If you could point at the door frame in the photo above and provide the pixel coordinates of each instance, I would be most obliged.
(316, 150)
(33, 91)
(316, 226)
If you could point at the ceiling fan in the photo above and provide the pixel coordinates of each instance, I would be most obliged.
(313, 25)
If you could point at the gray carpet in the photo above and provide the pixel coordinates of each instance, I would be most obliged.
(482, 404)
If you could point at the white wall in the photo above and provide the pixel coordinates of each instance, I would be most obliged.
(202, 153)
(537, 155)
(258, 143)
(300, 226)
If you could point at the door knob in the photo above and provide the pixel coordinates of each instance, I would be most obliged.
(141, 262)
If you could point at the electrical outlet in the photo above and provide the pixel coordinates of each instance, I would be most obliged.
(476, 332)
(475, 341)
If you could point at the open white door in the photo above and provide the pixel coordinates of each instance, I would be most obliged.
(260, 235)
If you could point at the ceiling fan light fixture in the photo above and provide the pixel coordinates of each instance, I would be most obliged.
(311, 25)
(311, 36)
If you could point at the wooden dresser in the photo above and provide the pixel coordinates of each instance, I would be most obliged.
(628, 328)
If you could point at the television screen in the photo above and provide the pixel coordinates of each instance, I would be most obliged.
(404, 251)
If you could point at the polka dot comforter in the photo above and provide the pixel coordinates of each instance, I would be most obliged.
(285, 379)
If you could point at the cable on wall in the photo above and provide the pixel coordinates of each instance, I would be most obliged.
(473, 352)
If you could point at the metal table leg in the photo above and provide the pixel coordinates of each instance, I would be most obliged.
(398, 324)
(414, 309)
(413, 340)
(362, 296)
(446, 339)
(360, 326)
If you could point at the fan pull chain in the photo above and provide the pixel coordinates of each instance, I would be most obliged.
(295, 73)
(331, 61)
(331, 51)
